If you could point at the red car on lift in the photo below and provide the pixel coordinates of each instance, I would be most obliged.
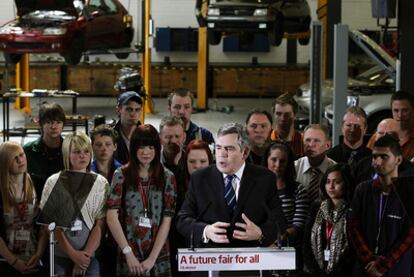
(68, 27)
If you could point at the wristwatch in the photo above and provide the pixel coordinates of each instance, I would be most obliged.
(126, 250)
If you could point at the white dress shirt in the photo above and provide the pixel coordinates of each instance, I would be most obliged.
(304, 172)
(236, 181)
(236, 187)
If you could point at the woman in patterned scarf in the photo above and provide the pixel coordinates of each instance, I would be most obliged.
(20, 248)
(326, 248)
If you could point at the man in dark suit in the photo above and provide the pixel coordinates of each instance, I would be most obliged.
(232, 203)
(352, 149)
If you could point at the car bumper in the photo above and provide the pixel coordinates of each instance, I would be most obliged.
(237, 23)
(26, 44)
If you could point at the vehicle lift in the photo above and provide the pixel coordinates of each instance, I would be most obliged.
(146, 57)
(23, 70)
(23, 84)
(203, 55)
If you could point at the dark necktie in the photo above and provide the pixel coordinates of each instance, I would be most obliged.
(229, 193)
(313, 189)
(351, 158)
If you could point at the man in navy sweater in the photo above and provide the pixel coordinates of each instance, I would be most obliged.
(379, 228)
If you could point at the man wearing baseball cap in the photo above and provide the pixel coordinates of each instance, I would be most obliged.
(129, 108)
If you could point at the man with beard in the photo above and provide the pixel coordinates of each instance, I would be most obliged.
(310, 168)
(352, 149)
(258, 127)
(379, 228)
(285, 109)
(172, 137)
(129, 108)
(180, 104)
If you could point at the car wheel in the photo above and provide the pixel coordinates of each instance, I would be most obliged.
(12, 58)
(74, 54)
(276, 34)
(375, 119)
(126, 42)
(213, 37)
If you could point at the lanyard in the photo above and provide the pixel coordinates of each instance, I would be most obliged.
(21, 209)
(145, 196)
(381, 214)
(382, 209)
(329, 230)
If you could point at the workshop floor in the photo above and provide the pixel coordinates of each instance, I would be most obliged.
(212, 119)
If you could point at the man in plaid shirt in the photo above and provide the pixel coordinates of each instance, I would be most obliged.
(379, 228)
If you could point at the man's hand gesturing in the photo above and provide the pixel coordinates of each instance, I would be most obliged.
(217, 232)
(250, 230)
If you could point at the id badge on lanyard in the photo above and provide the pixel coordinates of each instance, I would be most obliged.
(145, 221)
(326, 255)
(22, 235)
(76, 225)
(329, 231)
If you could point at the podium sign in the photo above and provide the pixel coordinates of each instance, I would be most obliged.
(231, 259)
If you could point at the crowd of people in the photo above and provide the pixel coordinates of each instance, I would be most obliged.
(126, 198)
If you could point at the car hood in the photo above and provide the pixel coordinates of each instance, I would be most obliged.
(327, 88)
(27, 6)
(375, 51)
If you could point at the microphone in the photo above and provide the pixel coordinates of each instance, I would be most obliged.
(196, 220)
(51, 227)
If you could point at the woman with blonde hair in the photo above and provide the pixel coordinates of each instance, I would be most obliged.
(74, 199)
(21, 246)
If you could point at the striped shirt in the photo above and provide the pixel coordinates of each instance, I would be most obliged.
(295, 206)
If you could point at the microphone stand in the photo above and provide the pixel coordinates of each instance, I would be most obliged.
(51, 227)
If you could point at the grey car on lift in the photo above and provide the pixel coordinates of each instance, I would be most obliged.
(245, 17)
(371, 90)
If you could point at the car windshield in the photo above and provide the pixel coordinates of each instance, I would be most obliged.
(49, 15)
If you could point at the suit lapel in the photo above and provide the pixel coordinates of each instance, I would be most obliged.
(216, 184)
(246, 185)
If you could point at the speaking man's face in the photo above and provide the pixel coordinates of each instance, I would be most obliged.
(229, 156)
